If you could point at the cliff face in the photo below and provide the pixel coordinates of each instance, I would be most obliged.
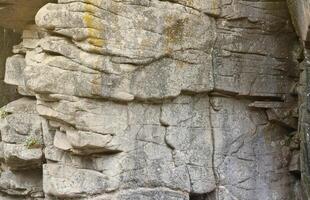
(155, 100)
(300, 12)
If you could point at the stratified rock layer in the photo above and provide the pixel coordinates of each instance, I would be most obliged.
(154, 100)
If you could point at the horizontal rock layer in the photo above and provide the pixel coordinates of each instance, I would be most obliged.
(179, 100)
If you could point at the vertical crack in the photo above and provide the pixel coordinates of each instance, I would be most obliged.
(216, 178)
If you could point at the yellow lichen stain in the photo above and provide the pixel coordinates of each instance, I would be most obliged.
(88, 20)
(214, 4)
(96, 42)
(215, 9)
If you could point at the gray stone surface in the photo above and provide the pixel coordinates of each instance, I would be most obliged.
(300, 13)
(300, 17)
(155, 100)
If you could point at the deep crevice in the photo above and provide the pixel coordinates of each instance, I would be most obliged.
(204, 196)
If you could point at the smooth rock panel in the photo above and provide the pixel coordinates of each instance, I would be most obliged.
(69, 182)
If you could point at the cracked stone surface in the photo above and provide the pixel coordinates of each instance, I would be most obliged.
(155, 100)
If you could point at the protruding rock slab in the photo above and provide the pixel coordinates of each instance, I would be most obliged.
(133, 93)
(69, 182)
(300, 13)
(21, 135)
(22, 184)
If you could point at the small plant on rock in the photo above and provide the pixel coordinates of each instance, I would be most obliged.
(3, 114)
(32, 142)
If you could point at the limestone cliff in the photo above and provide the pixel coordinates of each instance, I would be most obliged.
(157, 100)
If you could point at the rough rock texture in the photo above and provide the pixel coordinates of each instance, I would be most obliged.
(300, 18)
(154, 100)
(300, 12)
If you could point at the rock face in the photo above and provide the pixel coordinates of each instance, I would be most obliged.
(300, 18)
(300, 12)
(155, 100)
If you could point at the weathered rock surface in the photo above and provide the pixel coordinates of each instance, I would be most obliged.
(300, 18)
(300, 12)
(154, 100)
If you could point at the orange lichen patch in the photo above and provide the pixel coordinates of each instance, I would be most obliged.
(94, 33)
(88, 19)
(96, 42)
